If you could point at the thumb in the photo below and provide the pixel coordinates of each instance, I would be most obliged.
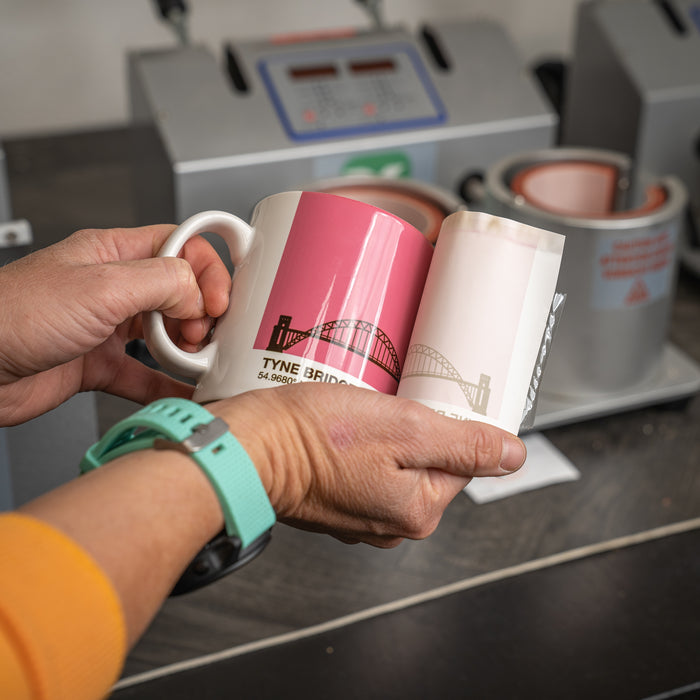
(461, 448)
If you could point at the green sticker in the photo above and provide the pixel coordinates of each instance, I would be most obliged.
(394, 164)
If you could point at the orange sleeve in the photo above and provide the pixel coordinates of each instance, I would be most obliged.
(62, 631)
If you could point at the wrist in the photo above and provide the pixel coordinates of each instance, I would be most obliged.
(184, 504)
(184, 494)
(184, 428)
(251, 441)
(273, 439)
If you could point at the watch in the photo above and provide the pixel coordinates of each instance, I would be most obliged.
(183, 425)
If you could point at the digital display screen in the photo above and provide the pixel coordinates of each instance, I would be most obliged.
(327, 70)
(330, 70)
(382, 65)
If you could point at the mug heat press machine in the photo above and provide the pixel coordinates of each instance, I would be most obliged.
(279, 113)
(611, 350)
(635, 88)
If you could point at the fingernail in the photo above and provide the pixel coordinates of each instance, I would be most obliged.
(200, 303)
(513, 454)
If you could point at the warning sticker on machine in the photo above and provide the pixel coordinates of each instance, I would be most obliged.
(633, 270)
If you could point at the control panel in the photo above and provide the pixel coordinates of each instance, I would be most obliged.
(358, 90)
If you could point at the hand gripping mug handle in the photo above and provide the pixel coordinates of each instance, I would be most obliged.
(238, 236)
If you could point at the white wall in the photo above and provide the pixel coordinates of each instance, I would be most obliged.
(62, 62)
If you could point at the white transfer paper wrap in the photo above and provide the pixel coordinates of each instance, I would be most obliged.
(481, 319)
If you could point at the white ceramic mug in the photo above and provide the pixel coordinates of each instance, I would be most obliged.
(325, 288)
(481, 320)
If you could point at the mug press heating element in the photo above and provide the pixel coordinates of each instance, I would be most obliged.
(618, 271)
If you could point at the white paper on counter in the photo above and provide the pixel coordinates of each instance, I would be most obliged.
(544, 465)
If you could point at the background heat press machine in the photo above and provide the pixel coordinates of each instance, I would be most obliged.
(634, 87)
(15, 234)
(277, 114)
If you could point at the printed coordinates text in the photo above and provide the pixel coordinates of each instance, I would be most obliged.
(286, 372)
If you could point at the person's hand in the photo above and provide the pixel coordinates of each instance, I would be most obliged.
(67, 312)
(361, 465)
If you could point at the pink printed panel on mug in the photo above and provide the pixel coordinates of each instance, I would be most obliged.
(347, 289)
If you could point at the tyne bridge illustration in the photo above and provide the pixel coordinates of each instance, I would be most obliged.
(424, 361)
(360, 337)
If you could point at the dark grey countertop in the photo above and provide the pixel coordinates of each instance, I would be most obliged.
(640, 469)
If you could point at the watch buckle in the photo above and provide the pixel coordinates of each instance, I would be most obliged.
(202, 435)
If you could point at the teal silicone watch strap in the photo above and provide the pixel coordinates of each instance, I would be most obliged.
(174, 423)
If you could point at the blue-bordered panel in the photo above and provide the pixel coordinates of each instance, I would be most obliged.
(350, 91)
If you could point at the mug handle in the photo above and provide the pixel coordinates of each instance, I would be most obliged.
(238, 236)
